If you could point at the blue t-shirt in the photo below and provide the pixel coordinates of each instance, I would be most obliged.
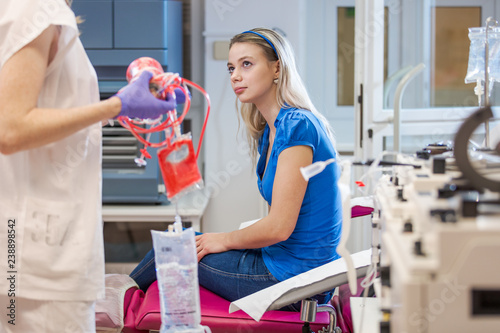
(318, 229)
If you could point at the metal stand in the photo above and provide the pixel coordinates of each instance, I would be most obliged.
(486, 78)
(308, 310)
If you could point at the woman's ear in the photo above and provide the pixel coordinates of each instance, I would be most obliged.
(277, 69)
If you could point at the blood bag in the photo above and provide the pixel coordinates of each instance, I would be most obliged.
(139, 65)
(179, 168)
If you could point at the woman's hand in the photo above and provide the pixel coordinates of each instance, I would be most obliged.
(210, 243)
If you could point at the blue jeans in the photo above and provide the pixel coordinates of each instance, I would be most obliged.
(232, 275)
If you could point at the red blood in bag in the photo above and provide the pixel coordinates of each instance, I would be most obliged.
(178, 167)
(157, 82)
(143, 63)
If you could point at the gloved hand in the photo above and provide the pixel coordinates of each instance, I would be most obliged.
(180, 98)
(139, 102)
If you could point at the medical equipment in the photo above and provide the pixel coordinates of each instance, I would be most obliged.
(309, 308)
(438, 263)
(440, 241)
(178, 166)
(175, 250)
(315, 168)
(176, 157)
(484, 62)
(478, 61)
(345, 189)
(463, 160)
(177, 275)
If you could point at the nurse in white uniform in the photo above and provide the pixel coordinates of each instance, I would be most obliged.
(51, 247)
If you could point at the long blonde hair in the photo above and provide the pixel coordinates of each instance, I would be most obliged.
(290, 88)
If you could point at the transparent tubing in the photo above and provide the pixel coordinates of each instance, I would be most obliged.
(397, 104)
(345, 190)
(315, 168)
(390, 81)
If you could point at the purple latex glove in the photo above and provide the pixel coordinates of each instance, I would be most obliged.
(139, 102)
(180, 98)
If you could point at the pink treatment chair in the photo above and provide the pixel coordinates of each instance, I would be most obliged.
(129, 310)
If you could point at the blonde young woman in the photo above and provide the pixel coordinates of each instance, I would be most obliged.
(284, 129)
(51, 261)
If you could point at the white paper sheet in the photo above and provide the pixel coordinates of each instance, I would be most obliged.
(305, 285)
(362, 201)
(247, 223)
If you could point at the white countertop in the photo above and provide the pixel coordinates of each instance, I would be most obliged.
(190, 207)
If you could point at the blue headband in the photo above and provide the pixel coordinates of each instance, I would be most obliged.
(263, 37)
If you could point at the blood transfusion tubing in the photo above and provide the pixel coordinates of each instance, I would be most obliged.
(176, 157)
